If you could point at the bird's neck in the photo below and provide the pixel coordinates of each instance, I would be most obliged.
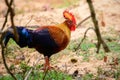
(63, 26)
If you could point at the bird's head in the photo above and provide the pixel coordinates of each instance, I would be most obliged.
(70, 20)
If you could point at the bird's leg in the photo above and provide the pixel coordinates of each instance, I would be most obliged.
(47, 64)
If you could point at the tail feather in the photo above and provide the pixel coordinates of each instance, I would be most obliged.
(24, 36)
(7, 37)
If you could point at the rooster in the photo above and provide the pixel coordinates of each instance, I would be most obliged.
(47, 40)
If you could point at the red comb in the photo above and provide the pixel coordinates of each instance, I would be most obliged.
(69, 16)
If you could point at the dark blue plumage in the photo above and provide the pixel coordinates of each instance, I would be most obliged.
(24, 37)
(43, 42)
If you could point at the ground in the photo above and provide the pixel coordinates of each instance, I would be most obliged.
(39, 12)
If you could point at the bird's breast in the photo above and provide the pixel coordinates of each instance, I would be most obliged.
(59, 36)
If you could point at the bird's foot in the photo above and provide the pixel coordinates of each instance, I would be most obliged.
(46, 68)
(47, 64)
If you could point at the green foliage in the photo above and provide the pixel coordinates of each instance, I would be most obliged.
(117, 74)
(55, 75)
(12, 42)
(5, 77)
(11, 46)
(114, 46)
(72, 45)
(37, 75)
(8, 77)
(88, 77)
(12, 67)
(101, 55)
(85, 46)
(86, 56)
(24, 67)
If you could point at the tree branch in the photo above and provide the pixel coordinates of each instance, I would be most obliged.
(83, 21)
(6, 16)
(83, 38)
(100, 40)
(4, 61)
(10, 10)
(12, 14)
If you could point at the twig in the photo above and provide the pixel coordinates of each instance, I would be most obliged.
(65, 68)
(10, 10)
(83, 21)
(12, 14)
(100, 40)
(4, 60)
(6, 16)
(83, 38)
(29, 21)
